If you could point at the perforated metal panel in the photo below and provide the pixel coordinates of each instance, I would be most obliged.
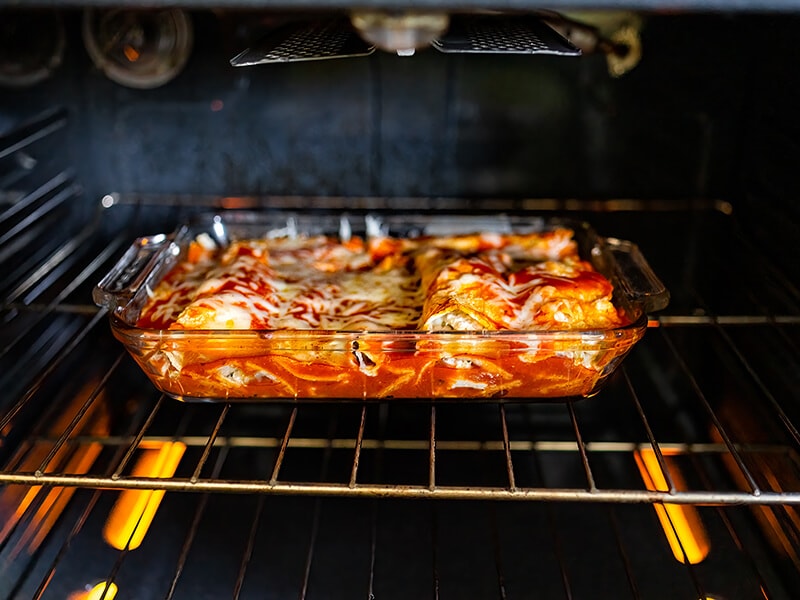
(315, 40)
(503, 35)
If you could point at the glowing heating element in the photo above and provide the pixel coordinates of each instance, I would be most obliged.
(20, 498)
(102, 591)
(31, 512)
(132, 514)
(681, 523)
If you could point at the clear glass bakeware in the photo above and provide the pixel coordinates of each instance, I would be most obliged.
(264, 365)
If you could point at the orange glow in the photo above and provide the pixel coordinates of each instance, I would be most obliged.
(131, 53)
(681, 523)
(96, 593)
(235, 202)
(16, 499)
(132, 514)
(77, 459)
(57, 499)
(53, 504)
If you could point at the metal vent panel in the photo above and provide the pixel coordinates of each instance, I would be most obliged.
(295, 42)
(503, 35)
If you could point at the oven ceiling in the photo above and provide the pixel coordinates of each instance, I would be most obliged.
(454, 5)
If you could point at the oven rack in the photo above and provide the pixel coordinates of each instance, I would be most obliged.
(712, 359)
(505, 446)
(49, 324)
(273, 485)
(82, 416)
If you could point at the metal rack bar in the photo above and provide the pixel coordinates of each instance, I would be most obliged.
(776, 406)
(731, 529)
(626, 561)
(377, 475)
(373, 551)
(535, 467)
(58, 263)
(662, 464)
(624, 496)
(51, 366)
(32, 130)
(435, 551)
(715, 420)
(581, 448)
(137, 440)
(66, 250)
(32, 246)
(51, 185)
(251, 537)
(784, 418)
(32, 508)
(121, 556)
(432, 452)
(282, 452)
(81, 521)
(558, 549)
(62, 551)
(248, 549)
(35, 440)
(768, 265)
(374, 202)
(211, 439)
(312, 542)
(357, 451)
(34, 271)
(770, 317)
(692, 573)
(725, 320)
(79, 415)
(56, 200)
(512, 485)
(317, 514)
(37, 436)
(704, 478)
(347, 443)
(498, 555)
(195, 525)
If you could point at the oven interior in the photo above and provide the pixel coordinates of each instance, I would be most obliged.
(679, 480)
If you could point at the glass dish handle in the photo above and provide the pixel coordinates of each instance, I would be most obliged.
(123, 291)
(636, 278)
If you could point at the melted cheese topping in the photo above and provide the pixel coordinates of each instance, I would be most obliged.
(286, 283)
(493, 292)
(470, 282)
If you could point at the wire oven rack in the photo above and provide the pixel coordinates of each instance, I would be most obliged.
(710, 394)
(35, 304)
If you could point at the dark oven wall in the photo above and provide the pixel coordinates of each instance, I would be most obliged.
(697, 118)
(710, 113)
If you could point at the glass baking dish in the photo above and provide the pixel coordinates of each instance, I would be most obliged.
(207, 365)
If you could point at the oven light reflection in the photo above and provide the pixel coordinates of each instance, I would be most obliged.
(681, 523)
(132, 514)
(131, 53)
(102, 591)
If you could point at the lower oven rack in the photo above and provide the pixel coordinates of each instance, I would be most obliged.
(589, 492)
(707, 400)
